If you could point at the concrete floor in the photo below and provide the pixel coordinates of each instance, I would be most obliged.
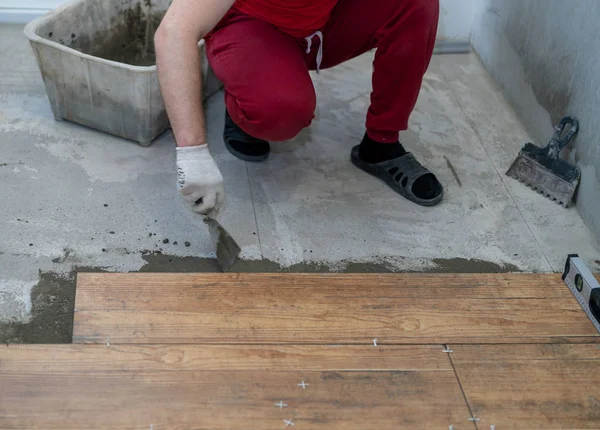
(75, 199)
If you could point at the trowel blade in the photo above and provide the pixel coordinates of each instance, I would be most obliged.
(226, 248)
(559, 188)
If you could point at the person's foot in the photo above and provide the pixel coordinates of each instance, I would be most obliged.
(241, 144)
(399, 169)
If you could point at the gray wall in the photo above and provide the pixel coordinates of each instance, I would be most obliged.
(546, 56)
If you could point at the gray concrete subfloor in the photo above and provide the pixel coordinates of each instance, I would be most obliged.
(75, 199)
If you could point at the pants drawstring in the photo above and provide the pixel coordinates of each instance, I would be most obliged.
(320, 51)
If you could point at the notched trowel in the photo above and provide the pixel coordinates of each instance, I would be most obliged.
(226, 248)
(543, 170)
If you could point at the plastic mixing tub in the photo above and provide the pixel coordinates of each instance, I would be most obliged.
(98, 64)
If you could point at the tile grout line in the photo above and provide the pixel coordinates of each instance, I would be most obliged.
(254, 210)
(462, 390)
(480, 141)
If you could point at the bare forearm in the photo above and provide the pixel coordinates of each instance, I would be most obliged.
(178, 62)
(179, 74)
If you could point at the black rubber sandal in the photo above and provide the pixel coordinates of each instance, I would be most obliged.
(242, 145)
(400, 174)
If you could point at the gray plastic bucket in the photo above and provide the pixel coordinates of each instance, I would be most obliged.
(96, 59)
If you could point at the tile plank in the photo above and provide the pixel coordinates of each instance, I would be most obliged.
(188, 386)
(25, 359)
(531, 386)
(327, 309)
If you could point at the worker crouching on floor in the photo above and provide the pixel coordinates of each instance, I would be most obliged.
(262, 51)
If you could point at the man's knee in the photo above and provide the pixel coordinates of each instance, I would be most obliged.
(279, 117)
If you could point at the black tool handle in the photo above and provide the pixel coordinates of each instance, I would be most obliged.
(595, 303)
(558, 141)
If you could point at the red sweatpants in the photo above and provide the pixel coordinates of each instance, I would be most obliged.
(269, 92)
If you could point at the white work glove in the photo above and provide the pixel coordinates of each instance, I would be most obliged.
(200, 181)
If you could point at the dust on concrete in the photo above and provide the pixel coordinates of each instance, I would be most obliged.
(54, 296)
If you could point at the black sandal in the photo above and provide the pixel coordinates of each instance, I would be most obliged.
(400, 174)
(242, 145)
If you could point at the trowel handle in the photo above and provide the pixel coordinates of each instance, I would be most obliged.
(559, 141)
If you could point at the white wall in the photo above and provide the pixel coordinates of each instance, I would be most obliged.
(30, 4)
(22, 11)
(545, 54)
(456, 19)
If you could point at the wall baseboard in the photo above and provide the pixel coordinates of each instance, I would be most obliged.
(10, 15)
(452, 47)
